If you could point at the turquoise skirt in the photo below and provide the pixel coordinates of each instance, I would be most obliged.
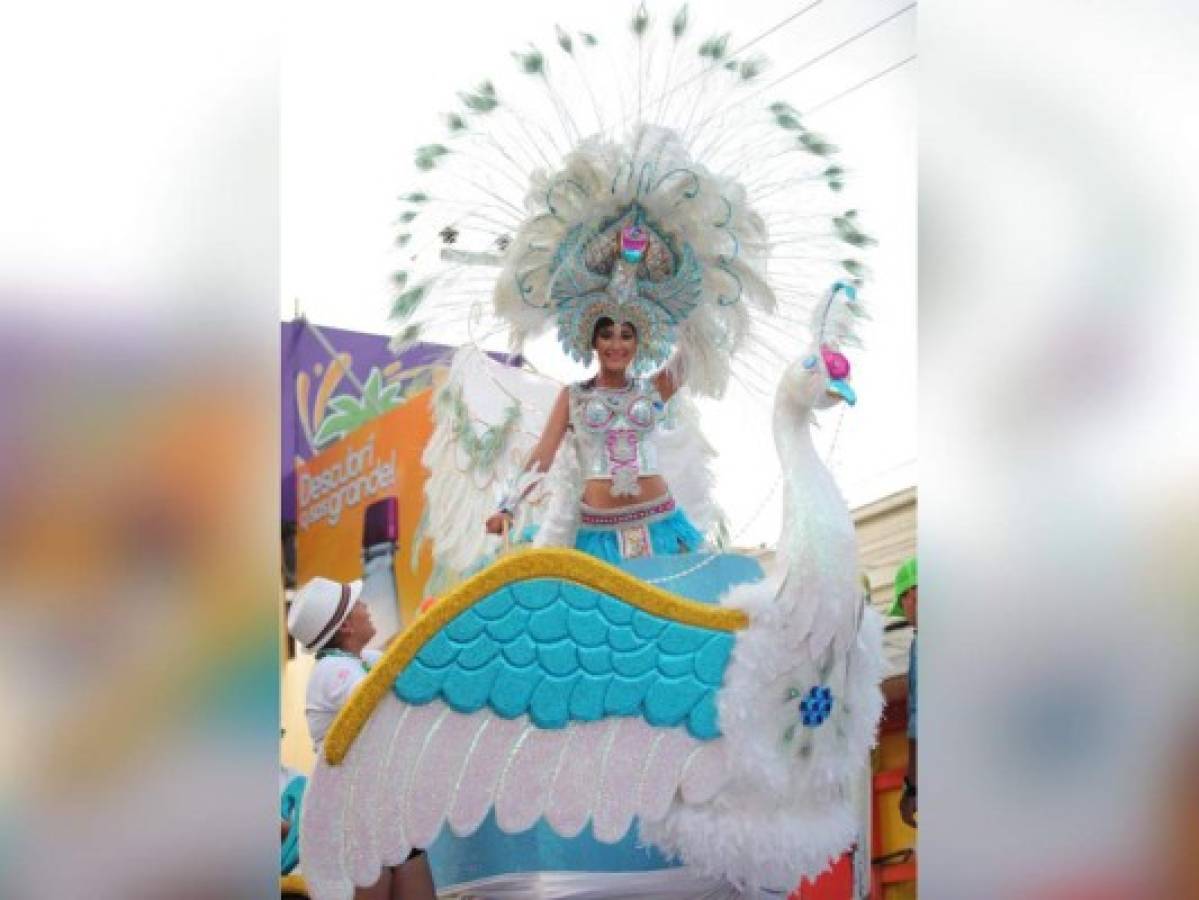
(657, 528)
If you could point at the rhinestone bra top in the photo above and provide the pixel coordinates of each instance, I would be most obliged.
(615, 431)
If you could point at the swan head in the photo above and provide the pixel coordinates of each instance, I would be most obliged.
(824, 380)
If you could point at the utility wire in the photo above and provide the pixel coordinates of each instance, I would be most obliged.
(765, 34)
(707, 69)
(813, 60)
(831, 50)
(860, 84)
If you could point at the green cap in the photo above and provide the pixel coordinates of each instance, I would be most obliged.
(905, 580)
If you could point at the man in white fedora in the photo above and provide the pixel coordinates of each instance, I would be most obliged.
(330, 620)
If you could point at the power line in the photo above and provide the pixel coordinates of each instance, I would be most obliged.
(860, 84)
(815, 59)
(708, 69)
(774, 28)
(831, 50)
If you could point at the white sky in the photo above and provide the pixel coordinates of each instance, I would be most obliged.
(365, 83)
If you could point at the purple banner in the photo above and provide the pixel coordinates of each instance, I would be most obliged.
(321, 401)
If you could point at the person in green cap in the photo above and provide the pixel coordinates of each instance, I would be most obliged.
(906, 594)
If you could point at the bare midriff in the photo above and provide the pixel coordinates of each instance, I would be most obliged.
(597, 492)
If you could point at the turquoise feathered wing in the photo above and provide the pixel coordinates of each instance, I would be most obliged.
(559, 652)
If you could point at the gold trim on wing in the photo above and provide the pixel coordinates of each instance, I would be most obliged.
(522, 565)
(293, 884)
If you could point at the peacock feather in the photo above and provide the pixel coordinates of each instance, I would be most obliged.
(580, 127)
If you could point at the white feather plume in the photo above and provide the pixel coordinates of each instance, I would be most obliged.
(575, 135)
(459, 494)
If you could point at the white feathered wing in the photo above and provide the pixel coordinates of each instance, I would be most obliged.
(487, 418)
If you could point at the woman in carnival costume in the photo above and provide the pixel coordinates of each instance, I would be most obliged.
(626, 510)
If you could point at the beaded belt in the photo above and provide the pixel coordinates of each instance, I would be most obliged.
(641, 514)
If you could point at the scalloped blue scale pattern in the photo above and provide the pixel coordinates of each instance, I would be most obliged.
(559, 652)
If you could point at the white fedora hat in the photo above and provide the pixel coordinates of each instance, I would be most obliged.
(318, 610)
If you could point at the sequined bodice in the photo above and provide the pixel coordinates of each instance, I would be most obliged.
(615, 432)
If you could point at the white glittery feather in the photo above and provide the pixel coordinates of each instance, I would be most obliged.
(321, 833)
(625, 757)
(486, 761)
(406, 740)
(524, 788)
(575, 790)
(363, 793)
(663, 768)
(430, 765)
(437, 775)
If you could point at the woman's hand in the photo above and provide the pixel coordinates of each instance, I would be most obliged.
(498, 523)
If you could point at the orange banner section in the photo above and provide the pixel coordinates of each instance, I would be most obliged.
(334, 489)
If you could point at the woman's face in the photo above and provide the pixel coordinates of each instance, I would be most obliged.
(616, 346)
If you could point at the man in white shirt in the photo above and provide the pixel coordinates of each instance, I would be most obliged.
(341, 661)
(328, 619)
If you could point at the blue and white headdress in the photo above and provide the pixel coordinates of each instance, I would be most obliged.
(626, 271)
(540, 179)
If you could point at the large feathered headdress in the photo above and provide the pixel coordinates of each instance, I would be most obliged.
(734, 197)
(654, 289)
